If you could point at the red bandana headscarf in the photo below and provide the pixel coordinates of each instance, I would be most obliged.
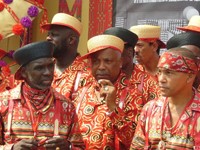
(177, 63)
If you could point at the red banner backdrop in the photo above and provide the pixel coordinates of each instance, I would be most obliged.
(76, 8)
(101, 12)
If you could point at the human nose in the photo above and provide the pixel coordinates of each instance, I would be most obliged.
(101, 65)
(161, 78)
(136, 49)
(49, 37)
(48, 71)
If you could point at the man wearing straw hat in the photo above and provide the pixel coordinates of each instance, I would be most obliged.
(107, 107)
(139, 79)
(64, 31)
(148, 47)
(33, 115)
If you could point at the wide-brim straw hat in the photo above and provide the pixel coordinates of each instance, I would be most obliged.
(63, 19)
(17, 15)
(127, 36)
(31, 52)
(193, 25)
(148, 32)
(102, 42)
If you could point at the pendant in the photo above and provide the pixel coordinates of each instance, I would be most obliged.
(161, 145)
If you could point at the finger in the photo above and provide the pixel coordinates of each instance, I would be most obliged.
(54, 139)
(104, 82)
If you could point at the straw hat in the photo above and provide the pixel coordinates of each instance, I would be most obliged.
(193, 25)
(101, 42)
(186, 38)
(148, 32)
(31, 52)
(127, 36)
(63, 19)
(16, 16)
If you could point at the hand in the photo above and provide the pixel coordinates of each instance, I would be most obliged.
(108, 90)
(26, 144)
(57, 143)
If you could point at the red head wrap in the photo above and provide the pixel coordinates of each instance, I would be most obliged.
(178, 63)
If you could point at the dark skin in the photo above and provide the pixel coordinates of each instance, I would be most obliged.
(106, 66)
(127, 59)
(66, 43)
(38, 74)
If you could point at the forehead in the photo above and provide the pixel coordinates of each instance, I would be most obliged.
(58, 28)
(106, 53)
(41, 61)
(140, 42)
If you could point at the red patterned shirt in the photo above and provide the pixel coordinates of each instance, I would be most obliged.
(58, 108)
(100, 129)
(154, 127)
(142, 69)
(64, 83)
(145, 83)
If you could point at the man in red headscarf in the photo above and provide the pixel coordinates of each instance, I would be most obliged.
(173, 120)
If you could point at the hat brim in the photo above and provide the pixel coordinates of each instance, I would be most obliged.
(48, 26)
(189, 28)
(86, 56)
(18, 75)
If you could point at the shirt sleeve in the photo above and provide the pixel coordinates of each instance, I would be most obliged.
(124, 119)
(3, 146)
(138, 141)
(75, 136)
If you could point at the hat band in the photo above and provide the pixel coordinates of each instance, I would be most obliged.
(177, 63)
(149, 39)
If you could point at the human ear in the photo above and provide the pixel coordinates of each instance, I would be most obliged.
(190, 78)
(155, 46)
(23, 72)
(72, 40)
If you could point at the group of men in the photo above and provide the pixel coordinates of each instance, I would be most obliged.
(67, 101)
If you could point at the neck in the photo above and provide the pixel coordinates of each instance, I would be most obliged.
(151, 66)
(128, 69)
(181, 99)
(65, 60)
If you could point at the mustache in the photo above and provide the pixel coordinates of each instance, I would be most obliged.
(101, 73)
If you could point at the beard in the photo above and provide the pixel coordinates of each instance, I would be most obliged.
(59, 50)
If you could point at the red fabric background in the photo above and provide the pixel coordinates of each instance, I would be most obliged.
(101, 12)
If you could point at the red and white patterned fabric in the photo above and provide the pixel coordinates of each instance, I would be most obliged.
(64, 83)
(145, 83)
(155, 125)
(100, 129)
(177, 63)
(15, 104)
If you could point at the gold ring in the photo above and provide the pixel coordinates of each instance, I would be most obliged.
(57, 148)
(106, 88)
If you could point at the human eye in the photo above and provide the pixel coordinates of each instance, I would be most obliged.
(108, 61)
(38, 67)
(94, 61)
